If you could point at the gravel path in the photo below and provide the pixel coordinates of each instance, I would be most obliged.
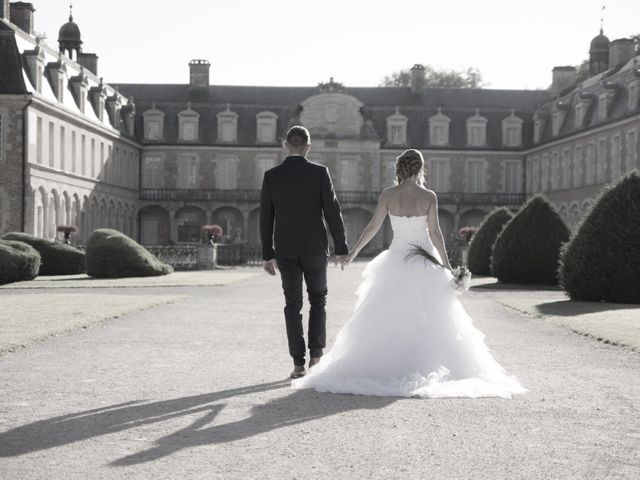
(197, 390)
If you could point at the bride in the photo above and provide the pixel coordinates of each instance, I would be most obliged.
(409, 335)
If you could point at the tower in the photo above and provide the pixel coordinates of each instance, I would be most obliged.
(69, 38)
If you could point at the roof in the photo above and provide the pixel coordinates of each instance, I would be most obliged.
(11, 79)
(379, 103)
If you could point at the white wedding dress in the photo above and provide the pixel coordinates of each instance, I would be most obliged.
(409, 335)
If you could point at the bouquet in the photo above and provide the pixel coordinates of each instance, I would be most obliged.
(461, 275)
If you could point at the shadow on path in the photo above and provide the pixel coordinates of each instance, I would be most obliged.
(569, 308)
(298, 407)
(65, 429)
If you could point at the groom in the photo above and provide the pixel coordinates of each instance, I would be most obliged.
(297, 195)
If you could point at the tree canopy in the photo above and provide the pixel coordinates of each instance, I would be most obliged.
(469, 78)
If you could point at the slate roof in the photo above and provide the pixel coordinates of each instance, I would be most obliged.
(379, 103)
(11, 78)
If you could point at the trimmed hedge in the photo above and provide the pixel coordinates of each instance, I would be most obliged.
(479, 256)
(18, 261)
(527, 249)
(112, 254)
(602, 260)
(57, 258)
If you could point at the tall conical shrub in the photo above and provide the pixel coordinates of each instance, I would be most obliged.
(602, 260)
(479, 256)
(527, 249)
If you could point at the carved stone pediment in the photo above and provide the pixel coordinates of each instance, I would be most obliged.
(332, 114)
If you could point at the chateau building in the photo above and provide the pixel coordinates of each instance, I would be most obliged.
(158, 161)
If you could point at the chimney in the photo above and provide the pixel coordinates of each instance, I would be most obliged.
(22, 16)
(418, 73)
(562, 78)
(5, 11)
(620, 51)
(89, 61)
(199, 73)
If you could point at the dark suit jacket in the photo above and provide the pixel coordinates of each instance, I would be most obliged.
(295, 196)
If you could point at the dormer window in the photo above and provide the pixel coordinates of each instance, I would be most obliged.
(477, 130)
(558, 114)
(538, 126)
(512, 131)
(632, 97)
(34, 60)
(58, 77)
(397, 128)
(153, 121)
(605, 99)
(266, 127)
(439, 129)
(188, 123)
(79, 85)
(227, 126)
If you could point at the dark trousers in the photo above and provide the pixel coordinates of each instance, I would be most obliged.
(314, 271)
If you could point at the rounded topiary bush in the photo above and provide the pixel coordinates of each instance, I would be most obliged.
(479, 255)
(57, 258)
(527, 249)
(112, 254)
(602, 260)
(18, 261)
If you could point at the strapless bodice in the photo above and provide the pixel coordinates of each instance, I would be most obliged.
(408, 231)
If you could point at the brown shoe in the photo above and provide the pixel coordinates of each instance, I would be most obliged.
(314, 361)
(298, 371)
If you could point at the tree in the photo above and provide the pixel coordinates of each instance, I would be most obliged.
(479, 257)
(469, 78)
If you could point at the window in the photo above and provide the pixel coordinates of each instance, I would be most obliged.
(439, 129)
(39, 141)
(556, 122)
(227, 126)
(153, 124)
(266, 123)
(74, 167)
(577, 166)
(83, 156)
(477, 130)
(1, 140)
(538, 125)
(102, 160)
(188, 122)
(93, 158)
(63, 139)
(263, 163)
(226, 173)
(476, 181)
(152, 172)
(601, 161)
(631, 151)
(604, 103)
(544, 173)
(555, 171)
(566, 168)
(397, 128)
(187, 171)
(535, 182)
(590, 161)
(512, 176)
(616, 157)
(512, 131)
(51, 146)
(438, 177)
(348, 173)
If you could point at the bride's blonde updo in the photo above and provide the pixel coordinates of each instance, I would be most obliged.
(408, 164)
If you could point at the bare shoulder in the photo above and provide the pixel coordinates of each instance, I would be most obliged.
(429, 194)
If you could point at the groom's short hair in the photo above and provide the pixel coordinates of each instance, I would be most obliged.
(298, 136)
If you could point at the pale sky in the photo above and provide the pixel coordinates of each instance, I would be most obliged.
(514, 43)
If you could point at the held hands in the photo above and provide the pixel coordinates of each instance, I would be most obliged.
(345, 259)
(270, 266)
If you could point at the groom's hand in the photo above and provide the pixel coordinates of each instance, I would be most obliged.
(341, 259)
(270, 266)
